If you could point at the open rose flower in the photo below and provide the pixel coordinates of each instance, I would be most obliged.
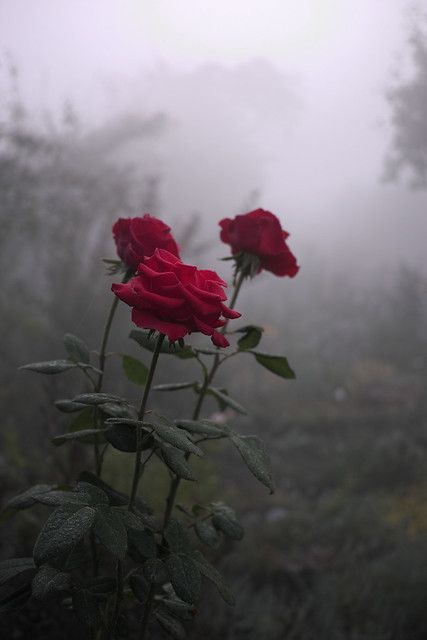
(176, 298)
(260, 234)
(137, 238)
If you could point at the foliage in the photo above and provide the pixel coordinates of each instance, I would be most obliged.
(144, 562)
(408, 99)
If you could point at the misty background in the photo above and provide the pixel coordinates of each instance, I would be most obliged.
(195, 111)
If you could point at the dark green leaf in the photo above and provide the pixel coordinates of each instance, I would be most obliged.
(92, 495)
(114, 266)
(215, 577)
(207, 533)
(86, 436)
(226, 400)
(276, 364)
(76, 349)
(84, 420)
(57, 498)
(77, 559)
(133, 422)
(29, 497)
(140, 587)
(176, 461)
(177, 538)
(15, 589)
(86, 607)
(179, 608)
(225, 520)
(14, 598)
(137, 520)
(170, 433)
(250, 339)
(256, 458)
(110, 531)
(122, 437)
(119, 410)
(154, 570)
(115, 497)
(135, 370)
(174, 386)
(61, 532)
(185, 353)
(204, 427)
(13, 567)
(68, 406)
(97, 398)
(184, 576)
(146, 339)
(50, 367)
(142, 545)
(49, 581)
(171, 625)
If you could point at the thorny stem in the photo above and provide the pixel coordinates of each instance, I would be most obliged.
(139, 437)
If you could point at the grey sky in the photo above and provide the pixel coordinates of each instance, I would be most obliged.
(310, 131)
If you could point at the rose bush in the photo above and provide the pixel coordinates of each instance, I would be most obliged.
(157, 559)
(259, 233)
(176, 298)
(137, 238)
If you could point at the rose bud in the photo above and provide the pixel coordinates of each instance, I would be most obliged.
(259, 235)
(137, 238)
(176, 298)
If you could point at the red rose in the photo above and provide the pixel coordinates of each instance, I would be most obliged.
(137, 238)
(176, 298)
(259, 233)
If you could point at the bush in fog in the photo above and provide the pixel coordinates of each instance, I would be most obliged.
(108, 555)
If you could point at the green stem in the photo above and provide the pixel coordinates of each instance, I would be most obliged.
(170, 501)
(119, 597)
(104, 343)
(99, 458)
(242, 275)
(98, 386)
(147, 611)
(174, 486)
(139, 438)
(95, 559)
(105, 337)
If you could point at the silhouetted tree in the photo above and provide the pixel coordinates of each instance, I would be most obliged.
(408, 100)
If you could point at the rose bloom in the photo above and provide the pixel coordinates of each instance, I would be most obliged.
(176, 299)
(259, 233)
(137, 238)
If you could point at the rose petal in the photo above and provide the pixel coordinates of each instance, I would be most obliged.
(229, 313)
(148, 320)
(219, 340)
(125, 292)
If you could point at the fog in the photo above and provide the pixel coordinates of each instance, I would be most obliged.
(196, 110)
(284, 102)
